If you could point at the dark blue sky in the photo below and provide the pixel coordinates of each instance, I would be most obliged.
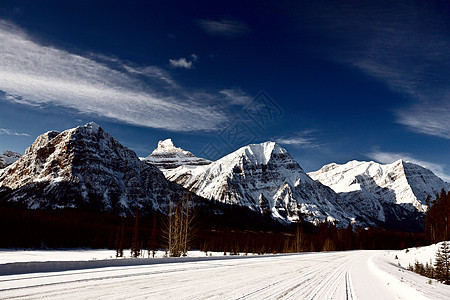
(341, 80)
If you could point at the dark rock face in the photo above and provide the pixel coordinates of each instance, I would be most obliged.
(85, 167)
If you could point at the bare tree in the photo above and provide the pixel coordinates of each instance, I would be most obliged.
(178, 229)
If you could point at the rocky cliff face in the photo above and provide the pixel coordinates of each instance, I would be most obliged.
(84, 167)
(7, 158)
(167, 156)
(265, 178)
(389, 193)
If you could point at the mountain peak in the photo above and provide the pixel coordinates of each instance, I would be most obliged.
(257, 153)
(264, 178)
(398, 185)
(84, 167)
(92, 125)
(167, 156)
(166, 146)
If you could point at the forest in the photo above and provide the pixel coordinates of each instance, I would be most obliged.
(217, 227)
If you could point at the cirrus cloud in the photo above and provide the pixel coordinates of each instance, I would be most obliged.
(403, 44)
(34, 74)
(224, 27)
(6, 131)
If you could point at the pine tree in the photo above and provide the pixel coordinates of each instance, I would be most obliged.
(437, 221)
(119, 242)
(299, 238)
(153, 239)
(135, 247)
(442, 263)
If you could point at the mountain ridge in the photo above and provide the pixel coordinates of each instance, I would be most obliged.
(84, 167)
(8, 157)
(87, 167)
(265, 178)
(382, 188)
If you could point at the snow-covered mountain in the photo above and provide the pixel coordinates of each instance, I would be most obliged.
(265, 178)
(8, 157)
(87, 167)
(385, 192)
(167, 156)
(84, 167)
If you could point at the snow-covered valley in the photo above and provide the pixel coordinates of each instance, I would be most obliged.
(324, 275)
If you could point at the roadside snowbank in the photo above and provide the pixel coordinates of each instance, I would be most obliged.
(423, 255)
(15, 256)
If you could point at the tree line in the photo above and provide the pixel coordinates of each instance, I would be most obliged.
(437, 219)
(440, 270)
(212, 227)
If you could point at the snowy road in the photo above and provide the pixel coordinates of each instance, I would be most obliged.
(335, 275)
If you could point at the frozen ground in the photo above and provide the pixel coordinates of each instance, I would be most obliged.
(332, 275)
(13, 256)
(421, 254)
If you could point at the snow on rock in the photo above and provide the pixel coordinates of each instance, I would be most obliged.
(84, 167)
(265, 178)
(384, 192)
(167, 156)
(8, 157)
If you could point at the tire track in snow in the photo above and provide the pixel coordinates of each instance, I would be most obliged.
(333, 275)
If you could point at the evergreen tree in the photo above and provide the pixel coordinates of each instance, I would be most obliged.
(442, 263)
(119, 242)
(152, 244)
(437, 221)
(135, 247)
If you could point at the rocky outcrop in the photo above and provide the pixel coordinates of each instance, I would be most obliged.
(84, 167)
(167, 156)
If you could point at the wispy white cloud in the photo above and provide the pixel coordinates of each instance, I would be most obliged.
(390, 157)
(184, 62)
(181, 63)
(152, 72)
(6, 131)
(236, 96)
(224, 27)
(302, 139)
(194, 57)
(34, 74)
(403, 44)
(427, 118)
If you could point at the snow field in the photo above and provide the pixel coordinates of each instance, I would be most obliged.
(325, 275)
(423, 255)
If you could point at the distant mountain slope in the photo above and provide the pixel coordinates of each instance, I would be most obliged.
(167, 156)
(391, 192)
(84, 167)
(8, 157)
(265, 178)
